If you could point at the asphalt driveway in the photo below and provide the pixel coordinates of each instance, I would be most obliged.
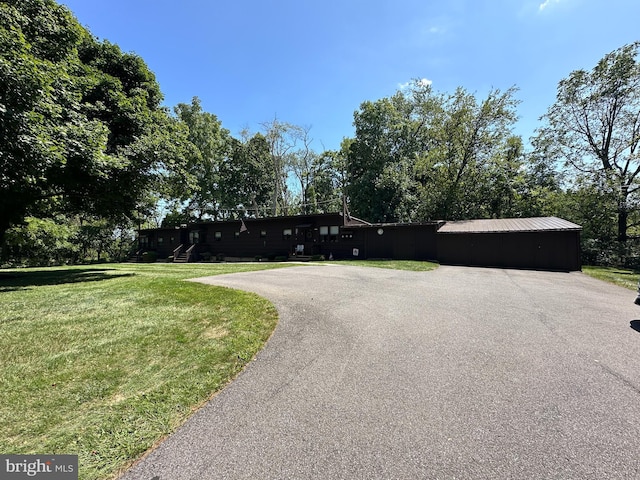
(455, 373)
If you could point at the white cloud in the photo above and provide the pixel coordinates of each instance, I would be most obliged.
(423, 82)
(546, 3)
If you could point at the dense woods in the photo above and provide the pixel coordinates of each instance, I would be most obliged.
(88, 153)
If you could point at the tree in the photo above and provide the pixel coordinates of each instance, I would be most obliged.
(470, 141)
(389, 134)
(326, 191)
(304, 165)
(212, 143)
(594, 127)
(245, 175)
(81, 127)
(420, 155)
(282, 139)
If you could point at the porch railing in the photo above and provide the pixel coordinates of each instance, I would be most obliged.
(190, 252)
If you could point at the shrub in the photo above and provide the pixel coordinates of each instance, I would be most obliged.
(220, 257)
(149, 257)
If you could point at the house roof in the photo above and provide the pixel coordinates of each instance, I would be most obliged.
(536, 224)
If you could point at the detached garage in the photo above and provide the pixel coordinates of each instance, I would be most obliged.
(542, 243)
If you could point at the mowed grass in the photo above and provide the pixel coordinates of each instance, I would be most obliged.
(410, 265)
(619, 276)
(104, 361)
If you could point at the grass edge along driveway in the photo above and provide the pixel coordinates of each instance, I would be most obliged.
(104, 361)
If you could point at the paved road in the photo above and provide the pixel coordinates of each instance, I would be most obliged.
(455, 373)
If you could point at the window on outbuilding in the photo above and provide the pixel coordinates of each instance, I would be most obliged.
(286, 233)
(217, 236)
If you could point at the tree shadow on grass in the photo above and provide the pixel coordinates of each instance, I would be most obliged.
(16, 280)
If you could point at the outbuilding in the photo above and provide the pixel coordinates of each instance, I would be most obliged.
(542, 243)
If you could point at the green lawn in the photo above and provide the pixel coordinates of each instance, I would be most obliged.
(412, 265)
(103, 361)
(619, 276)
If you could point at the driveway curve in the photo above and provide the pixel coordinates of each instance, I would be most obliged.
(454, 373)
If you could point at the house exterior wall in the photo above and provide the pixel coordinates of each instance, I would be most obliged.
(401, 242)
(308, 235)
(325, 234)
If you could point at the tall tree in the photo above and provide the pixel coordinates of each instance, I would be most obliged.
(389, 133)
(594, 126)
(468, 141)
(419, 155)
(326, 190)
(81, 127)
(304, 164)
(245, 176)
(282, 138)
(213, 147)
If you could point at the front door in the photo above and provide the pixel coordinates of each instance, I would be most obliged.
(304, 240)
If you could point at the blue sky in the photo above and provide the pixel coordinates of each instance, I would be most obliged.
(312, 63)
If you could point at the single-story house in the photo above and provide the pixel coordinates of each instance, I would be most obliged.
(546, 243)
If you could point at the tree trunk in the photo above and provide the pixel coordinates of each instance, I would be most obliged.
(623, 217)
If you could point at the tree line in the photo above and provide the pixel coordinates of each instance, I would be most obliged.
(88, 154)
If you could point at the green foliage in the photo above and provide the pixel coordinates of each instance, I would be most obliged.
(212, 148)
(65, 240)
(419, 155)
(81, 128)
(593, 128)
(246, 175)
(41, 242)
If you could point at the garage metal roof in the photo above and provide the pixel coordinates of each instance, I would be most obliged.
(536, 224)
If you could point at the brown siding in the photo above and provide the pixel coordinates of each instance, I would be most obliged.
(402, 242)
(452, 244)
(555, 250)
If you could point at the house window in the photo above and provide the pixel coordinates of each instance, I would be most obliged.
(286, 233)
(160, 241)
(194, 236)
(263, 233)
(329, 234)
(144, 241)
(236, 234)
(217, 236)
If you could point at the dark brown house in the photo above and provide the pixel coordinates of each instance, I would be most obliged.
(547, 243)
